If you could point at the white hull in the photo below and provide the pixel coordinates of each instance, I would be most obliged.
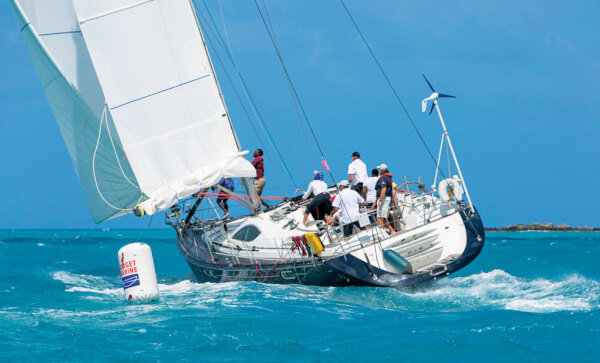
(434, 239)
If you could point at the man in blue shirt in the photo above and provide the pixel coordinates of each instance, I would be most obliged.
(224, 197)
(384, 190)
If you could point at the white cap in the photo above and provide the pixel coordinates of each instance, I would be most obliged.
(343, 183)
(382, 167)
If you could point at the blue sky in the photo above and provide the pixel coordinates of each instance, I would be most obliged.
(524, 125)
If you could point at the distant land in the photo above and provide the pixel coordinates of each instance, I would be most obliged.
(543, 227)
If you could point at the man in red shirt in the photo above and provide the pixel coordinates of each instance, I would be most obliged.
(259, 180)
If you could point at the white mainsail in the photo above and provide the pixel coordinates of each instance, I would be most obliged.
(162, 93)
(62, 62)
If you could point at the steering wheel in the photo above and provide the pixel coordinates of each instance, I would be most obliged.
(421, 186)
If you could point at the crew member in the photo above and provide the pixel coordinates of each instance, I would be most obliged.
(259, 180)
(384, 191)
(370, 187)
(347, 201)
(224, 197)
(357, 172)
(320, 202)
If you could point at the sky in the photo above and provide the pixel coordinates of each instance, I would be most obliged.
(524, 125)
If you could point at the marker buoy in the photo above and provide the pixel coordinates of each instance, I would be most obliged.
(137, 272)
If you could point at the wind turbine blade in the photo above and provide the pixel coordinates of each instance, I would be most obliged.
(443, 95)
(430, 86)
(432, 106)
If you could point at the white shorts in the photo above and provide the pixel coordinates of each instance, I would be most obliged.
(384, 210)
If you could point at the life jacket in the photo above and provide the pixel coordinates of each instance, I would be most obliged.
(391, 182)
(388, 174)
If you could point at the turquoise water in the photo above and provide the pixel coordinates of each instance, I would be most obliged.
(529, 296)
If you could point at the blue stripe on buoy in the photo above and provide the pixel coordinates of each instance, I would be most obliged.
(131, 281)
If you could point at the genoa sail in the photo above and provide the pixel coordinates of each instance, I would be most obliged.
(162, 93)
(64, 67)
(136, 98)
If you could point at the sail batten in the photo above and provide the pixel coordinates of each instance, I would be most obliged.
(113, 11)
(161, 91)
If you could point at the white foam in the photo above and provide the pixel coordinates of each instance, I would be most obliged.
(111, 292)
(92, 287)
(499, 289)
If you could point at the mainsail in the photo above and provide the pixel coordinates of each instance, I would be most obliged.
(156, 84)
(68, 78)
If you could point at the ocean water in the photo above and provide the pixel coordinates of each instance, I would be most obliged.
(529, 296)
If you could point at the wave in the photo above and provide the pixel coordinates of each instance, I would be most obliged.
(501, 290)
(496, 290)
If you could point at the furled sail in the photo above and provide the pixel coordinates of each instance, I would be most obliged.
(68, 78)
(163, 96)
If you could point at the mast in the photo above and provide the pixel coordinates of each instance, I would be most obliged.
(237, 141)
(246, 182)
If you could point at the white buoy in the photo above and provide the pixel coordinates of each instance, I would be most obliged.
(137, 272)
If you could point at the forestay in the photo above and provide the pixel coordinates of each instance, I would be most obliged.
(62, 62)
(161, 90)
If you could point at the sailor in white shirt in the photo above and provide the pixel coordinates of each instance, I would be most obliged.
(357, 171)
(318, 188)
(348, 202)
(370, 186)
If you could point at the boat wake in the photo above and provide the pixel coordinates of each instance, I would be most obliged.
(501, 290)
(494, 290)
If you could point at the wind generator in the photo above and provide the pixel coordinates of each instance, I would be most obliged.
(445, 136)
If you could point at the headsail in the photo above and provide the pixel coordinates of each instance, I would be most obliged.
(68, 78)
(162, 93)
(143, 65)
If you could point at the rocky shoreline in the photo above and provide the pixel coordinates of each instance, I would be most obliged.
(543, 227)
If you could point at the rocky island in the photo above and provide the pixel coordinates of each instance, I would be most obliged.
(543, 227)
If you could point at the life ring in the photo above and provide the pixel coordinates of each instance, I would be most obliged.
(448, 188)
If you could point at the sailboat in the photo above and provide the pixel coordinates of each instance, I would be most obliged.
(135, 94)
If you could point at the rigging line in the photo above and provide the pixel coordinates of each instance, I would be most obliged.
(228, 45)
(225, 28)
(389, 84)
(245, 87)
(448, 158)
(94, 164)
(237, 95)
(247, 114)
(283, 143)
(289, 79)
(294, 101)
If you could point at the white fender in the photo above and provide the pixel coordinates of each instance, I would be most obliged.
(450, 187)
